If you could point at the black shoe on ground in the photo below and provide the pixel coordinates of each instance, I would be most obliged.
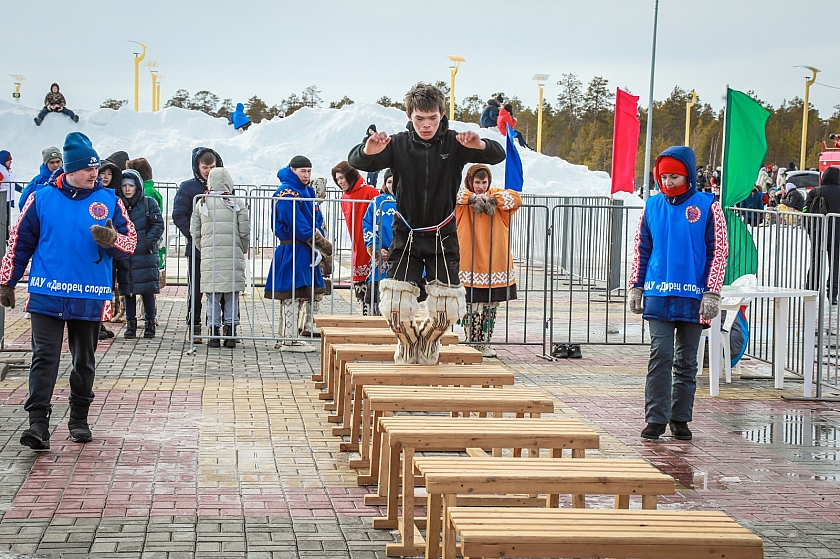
(197, 333)
(215, 341)
(574, 351)
(230, 331)
(37, 437)
(680, 430)
(75, 118)
(560, 351)
(38, 121)
(653, 431)
(78, 424)
(130, 328)
(149, 331)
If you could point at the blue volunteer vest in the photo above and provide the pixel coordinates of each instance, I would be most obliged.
(677, 264)
(67, 262)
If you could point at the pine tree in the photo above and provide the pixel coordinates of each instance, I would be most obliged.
(256, 109)
(204, 101)
(181, 99)
(338, 104)
(114, 104)
(311, 97)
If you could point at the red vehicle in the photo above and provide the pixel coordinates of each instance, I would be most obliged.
(830, 156)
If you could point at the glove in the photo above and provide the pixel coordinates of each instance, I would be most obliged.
(477, 203)
(635, 300)
(490, 205)
(710, 305)
(104, 236)
(7, 296)
(322, 244)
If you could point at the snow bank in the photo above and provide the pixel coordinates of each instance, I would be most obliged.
(166, 139)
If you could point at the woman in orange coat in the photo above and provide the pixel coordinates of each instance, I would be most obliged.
(483, 219)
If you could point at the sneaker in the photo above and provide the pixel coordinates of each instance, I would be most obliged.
(297, 347)
(574, 352)
(38, 121)
(680, 430)
(560, 351)
(488, 351)
(653, 431)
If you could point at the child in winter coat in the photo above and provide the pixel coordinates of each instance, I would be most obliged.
(221, 230)
(676, 278)
(377, 225)
(54, 102)
(483, 217)
(138, 275)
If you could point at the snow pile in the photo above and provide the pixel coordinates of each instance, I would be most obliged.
(166, 139)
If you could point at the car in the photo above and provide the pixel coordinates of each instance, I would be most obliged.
(804, 179)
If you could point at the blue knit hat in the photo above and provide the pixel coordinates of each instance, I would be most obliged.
(79, 153)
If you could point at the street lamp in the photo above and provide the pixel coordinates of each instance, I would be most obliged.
(688, 115)
(138, 58)
(540, 79)
(152, 64)
(646, 183)
(456, 62)
(157, 91)
(18, 81)
(808, 84)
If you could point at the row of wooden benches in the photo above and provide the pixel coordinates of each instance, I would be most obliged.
(364, 396)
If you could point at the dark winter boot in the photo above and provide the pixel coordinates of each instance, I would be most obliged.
(130, 328)
(37, 437)
(104, 333)
(149, 331)
(78, 424)
(75, 118)
(38, 122)
(680, 430)
(230, 331)
(653, 431)
(214, 341)
(197, 333)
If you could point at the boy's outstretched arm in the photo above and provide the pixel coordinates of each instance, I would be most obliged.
(480, 150)
(373, 154)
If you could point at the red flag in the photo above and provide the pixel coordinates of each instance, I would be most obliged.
(625, 141)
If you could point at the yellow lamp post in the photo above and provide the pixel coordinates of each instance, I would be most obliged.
(18, 81)
(157, 91)
(138, 58)
(456, 63)
(688, 115)
(808, 84)
(540, 79)
(152, 64)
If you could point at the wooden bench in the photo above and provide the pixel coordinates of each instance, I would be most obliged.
(383, 401)
(349, 321)
(330, 336)
(342, 354)
(359, 375)
(551, 533)
(454, 481)
(409, 434)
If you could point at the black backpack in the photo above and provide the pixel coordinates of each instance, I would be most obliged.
(818, 204)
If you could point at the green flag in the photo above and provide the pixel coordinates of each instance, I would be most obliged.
(745, 146)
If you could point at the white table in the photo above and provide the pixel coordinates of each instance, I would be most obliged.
(780, 295)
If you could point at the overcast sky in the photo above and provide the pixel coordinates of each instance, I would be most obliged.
(369, 48)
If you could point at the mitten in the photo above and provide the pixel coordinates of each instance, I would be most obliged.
(490, 205)
(322, 244)
(635, 303)
(477, 203)
(710, 305)
(7, 296)
(104, 236)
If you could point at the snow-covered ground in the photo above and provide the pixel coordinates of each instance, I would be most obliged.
(166, 139)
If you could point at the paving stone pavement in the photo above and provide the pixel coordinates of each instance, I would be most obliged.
(229, 452)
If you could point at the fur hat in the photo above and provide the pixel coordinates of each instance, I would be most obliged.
(351, 175)
(50, 153)
(300, 162)
(142, 166)
(472, 171)
(79, 153)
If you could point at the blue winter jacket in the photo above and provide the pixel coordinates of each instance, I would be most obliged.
(377, 225)
(182, 206)
(683, 211)
(294, 225)
(238, 117)
(39, 180)
(24, 240)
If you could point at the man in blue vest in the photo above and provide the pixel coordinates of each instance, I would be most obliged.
(70, 229)
(676, 278)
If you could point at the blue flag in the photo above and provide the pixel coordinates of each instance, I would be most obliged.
(513, 164)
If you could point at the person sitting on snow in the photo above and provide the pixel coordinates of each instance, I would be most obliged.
(427, 161)
(239, 119)
(54, 102)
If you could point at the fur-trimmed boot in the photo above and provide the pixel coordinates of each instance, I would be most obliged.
(310, 310)
(78, 424)
(472, 324)
(488, 323)
(37, 437)
(291, 319)
(446, 304)
(398, 304)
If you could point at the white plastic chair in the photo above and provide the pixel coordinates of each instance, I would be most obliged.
(732, 305)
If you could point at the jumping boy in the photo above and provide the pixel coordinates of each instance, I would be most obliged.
(427, 161)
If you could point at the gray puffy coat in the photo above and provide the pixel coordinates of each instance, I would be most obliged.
(221, 230)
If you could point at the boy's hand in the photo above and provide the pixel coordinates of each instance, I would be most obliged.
(376, 143)
(470, 139)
